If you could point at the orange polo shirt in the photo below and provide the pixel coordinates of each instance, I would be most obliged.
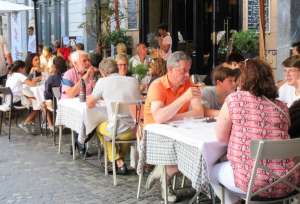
(160, 90)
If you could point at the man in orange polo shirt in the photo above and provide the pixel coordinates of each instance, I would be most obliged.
(172, 97)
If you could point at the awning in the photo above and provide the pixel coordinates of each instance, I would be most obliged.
(6, 7)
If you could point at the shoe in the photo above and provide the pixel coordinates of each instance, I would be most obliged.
(122, 170)
(25, 127)
(171, 195)
(154, 175)
(82, 150)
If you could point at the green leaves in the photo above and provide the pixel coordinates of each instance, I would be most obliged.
(140, 70)
(246, 42)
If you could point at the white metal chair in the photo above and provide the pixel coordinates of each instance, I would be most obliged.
(271, 150)
(119, 110)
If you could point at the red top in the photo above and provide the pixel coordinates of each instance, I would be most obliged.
(256, 118)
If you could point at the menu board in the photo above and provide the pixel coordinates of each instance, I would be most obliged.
(132, 14)
(253, 15)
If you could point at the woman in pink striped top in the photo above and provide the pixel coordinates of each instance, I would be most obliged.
(249, 114)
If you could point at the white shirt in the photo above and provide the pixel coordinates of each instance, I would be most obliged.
(287, 94)
(117, 88)
(3, 52)
(31, 44)
(15, 83)
(135, 60)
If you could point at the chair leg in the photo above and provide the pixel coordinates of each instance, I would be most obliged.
(165, 185)
(212, 195)
(73, 144)
(40, 123)
(16, 119)
(223, 195)
(86, 150)
(114, 163)
(9, 127)
(53, 132)
(46, 121)
(139, 185)
(105, 160)
(2, 113)
(183, 181)
(59, 138)
(174, 182)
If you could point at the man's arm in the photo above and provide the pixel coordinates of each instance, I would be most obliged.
(163, 113)
(208, 112)
(73, 91)
(197, 110)
(224, 124)
(91, 101)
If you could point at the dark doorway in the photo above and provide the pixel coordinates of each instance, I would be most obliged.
(193, 19)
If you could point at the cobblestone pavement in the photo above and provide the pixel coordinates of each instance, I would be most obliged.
(31, 171)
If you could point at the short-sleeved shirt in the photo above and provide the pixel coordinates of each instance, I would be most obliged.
(287, 94)
(167, 40)
(160, 90)
(135, 60)
(31, 44)
(256, 118)
(15, 83)
(117, 88)
(70, 78)
(210, 98)
(52, 81)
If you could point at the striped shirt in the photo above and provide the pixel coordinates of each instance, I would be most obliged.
(70, 78)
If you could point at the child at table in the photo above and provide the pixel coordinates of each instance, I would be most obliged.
(58, 68)
(15, 81)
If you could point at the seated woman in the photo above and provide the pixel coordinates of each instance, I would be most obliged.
(249, 114)
(157, 68)
(34, 77)
(15, 81)
(58, 68)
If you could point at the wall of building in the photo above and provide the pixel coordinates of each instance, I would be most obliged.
(279, 36)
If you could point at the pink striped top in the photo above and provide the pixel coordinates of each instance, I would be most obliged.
(256, 118)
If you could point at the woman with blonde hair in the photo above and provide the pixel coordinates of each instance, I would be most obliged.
(122, 63)
(121, 48)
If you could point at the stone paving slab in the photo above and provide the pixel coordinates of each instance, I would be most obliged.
(31, 171)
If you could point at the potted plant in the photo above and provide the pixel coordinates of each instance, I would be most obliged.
(246, 43)
(139, 71)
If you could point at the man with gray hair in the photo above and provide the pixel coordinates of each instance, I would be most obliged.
(82, 70)
(114, 87)
(171, 97)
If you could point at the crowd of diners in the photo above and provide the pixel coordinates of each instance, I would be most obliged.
(245, 99)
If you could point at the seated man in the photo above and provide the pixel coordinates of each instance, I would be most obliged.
(141, 57)
(290, 90)
(115, 87)
(82, 70)
(213, 97)
(71, 83)
(172, 97)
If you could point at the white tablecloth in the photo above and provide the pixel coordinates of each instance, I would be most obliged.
(190, 144)
(38, 93)
(75, 115)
